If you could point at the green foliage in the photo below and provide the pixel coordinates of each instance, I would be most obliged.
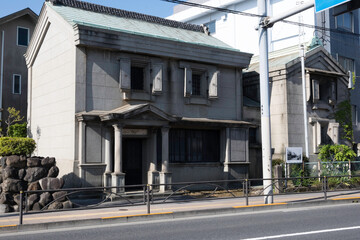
(353, 80)
(344, 118)
(18, 130)
(16, 146)
(14, 117)
(339, 153)
(276, 162)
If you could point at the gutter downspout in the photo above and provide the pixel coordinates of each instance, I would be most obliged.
(1, 72)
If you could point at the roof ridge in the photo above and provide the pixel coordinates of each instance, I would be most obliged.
(126, 14)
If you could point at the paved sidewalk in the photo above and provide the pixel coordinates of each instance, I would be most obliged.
(44, 220)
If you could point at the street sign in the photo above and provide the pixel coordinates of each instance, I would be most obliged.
(293, 154)
(321, 5)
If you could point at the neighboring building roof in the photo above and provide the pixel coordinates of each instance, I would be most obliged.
(11, 17)
(101, 17)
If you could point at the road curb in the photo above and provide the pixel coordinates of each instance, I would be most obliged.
(173, 215)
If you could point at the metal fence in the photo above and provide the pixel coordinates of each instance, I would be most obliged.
(102, 197)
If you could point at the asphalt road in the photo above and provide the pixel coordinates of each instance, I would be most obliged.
(328, 222)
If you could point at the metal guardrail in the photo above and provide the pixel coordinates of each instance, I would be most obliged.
(192, 191)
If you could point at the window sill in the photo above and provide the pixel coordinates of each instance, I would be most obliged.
(138, 95)
(197, 100)
(321, 106)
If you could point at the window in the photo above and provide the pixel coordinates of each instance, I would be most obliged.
(347, 63)
(345, 21)
(137, 78)
(194, 146)
(196, 84)
(16, 84)
(211, 26)
(22, 36)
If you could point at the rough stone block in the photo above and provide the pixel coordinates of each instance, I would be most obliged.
(21, 173)
(13, 185)
(10, 172)
(59, 196)
(17, 199)
(32, 199)
(34, 174)
(45, 198)
(51, 183)
(6, 198)
(48, 162)
(55, 205)
(36, 207)
(33, 162)
(15, 161)
(53, 172)
(5, 208)
(67, 204)
(34, 186)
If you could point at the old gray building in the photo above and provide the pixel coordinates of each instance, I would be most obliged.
(125, 98)
(15, 32)
(326, 87)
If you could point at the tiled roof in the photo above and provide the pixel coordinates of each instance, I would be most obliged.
(126, 14)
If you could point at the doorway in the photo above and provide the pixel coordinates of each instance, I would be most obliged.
(132, 160)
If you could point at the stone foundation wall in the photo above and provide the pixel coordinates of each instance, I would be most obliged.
(19, 173)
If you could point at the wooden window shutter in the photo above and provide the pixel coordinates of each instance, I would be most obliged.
(316, 90)
(213, 84)
(125, 74)
(333, 91)
(187, 81)
(157, 76)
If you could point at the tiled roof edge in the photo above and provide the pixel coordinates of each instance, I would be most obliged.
(126, 14)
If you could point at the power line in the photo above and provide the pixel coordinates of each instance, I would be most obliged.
(191, 4)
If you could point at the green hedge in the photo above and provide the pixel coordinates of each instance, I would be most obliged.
(16, 146)
(18, 130)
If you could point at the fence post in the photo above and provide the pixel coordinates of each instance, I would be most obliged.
(148, 198)
(21, 208)
(247, 192)
(325, 187)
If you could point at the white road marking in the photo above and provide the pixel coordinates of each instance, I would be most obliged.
(304, 233)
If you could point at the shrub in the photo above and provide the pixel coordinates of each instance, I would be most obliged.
(338, 153)
(18, 130)
(16, 146)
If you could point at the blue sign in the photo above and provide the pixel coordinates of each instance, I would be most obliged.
(321, 5)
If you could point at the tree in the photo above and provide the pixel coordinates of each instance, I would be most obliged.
(14, 117)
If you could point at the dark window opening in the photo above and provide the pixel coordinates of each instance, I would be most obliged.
(253, 135)
(196, 84)
(23, 36)
(137, 78)
(325, 139)
(17, 84)
(194, 146)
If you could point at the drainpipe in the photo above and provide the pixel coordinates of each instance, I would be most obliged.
(1, 72)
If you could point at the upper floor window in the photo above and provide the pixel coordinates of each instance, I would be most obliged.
(196, 83)
(345, 21)
(22, 36)
(137, 78)
(16, 84)
(347, 63)
(211, 26)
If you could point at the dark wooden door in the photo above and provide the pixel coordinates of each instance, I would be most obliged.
(132, 160)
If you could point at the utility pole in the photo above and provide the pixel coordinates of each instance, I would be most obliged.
(265, 23)
(265, 103)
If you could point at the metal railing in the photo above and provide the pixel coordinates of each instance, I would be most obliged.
(102, 197)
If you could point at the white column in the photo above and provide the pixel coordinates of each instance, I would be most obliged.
(153, 174)
(165, 175)
(117, 148)
(108, 162)
(227, 150)
(118, 177)
(82, 147)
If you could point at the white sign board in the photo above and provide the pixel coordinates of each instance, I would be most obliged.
(293, 155)
(321, 5)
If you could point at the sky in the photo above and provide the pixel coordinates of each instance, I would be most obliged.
(152, 7)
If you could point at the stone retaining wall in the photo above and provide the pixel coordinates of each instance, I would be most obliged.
(32, 173)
